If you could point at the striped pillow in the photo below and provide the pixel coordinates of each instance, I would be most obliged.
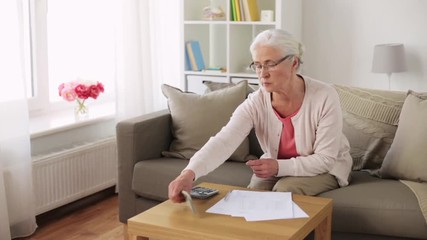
(370, 119)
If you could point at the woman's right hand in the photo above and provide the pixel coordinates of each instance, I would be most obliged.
(183, 182)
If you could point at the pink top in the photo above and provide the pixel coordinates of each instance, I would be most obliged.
(287, 147)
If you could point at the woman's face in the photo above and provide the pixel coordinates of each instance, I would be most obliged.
(274, 77)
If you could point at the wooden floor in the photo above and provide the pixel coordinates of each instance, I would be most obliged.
(97, 221)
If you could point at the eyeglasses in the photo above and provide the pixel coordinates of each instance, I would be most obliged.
(267, 66)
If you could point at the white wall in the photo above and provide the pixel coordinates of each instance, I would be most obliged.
(340, 35)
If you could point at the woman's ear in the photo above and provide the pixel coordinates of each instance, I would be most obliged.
(295, 62)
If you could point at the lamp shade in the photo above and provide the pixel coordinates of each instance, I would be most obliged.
(389, 58)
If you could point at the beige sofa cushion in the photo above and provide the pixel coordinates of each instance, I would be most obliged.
(406, 158)
(370, 119)
(372, 205)
(196, 118)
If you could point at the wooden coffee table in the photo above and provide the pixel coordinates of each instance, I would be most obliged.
(176, 221)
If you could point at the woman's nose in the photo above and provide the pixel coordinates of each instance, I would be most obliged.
(263, 73)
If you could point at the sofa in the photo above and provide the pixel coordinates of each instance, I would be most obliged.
(387, 194)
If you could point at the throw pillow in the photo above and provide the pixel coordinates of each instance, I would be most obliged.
(370, 119)
(406, 158)
(213, 86)
(196, 118)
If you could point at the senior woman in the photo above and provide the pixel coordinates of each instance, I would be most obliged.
(297, 121)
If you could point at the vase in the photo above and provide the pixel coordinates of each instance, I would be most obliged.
(81, 111)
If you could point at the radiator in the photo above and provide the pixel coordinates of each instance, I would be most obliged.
(62, 177)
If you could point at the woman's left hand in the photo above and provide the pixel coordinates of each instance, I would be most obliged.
(264, 167)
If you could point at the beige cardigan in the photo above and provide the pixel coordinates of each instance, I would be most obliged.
(320, 143)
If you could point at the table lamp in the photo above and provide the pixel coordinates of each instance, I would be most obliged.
(389, 58)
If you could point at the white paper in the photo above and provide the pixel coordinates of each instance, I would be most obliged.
(258, 206)
(298, 212)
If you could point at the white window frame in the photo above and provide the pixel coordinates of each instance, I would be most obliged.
(37, 68)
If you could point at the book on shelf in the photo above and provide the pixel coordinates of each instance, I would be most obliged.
(191, 60)
(233, 10)
(238, 13)
(195, 56)
(242, 11)
(187, 60)
(214, 70)
(251, 10)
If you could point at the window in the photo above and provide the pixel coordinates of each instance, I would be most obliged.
(68, 39)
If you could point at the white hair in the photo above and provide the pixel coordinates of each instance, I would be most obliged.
(280, 40)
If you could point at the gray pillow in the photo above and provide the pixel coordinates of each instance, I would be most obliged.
(370, 119)
(406, 158)
(213, 86)
(196, 118)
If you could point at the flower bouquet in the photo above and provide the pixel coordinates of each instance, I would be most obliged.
(79, 91)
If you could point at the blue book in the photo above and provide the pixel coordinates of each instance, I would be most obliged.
(187, 59)
(198, 56)
(191, 59)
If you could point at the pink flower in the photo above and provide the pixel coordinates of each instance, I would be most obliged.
(66, 91)
(80, 90)
(100, 86)
(61, 86)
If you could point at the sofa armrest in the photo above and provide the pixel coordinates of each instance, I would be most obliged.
(139, 138)
(143, 137)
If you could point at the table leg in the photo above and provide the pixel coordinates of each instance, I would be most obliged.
(323, 231)
(134, 237)
(131, 236)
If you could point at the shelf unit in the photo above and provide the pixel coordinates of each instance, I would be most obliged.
(225, 43)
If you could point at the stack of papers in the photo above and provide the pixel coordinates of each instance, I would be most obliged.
(258, 206)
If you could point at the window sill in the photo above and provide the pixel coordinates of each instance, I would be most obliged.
(59, 121)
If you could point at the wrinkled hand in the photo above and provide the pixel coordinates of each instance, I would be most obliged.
(182, 182)
(264, 167)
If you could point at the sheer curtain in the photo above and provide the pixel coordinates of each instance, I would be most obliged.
(148, 54)
(17, 211)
